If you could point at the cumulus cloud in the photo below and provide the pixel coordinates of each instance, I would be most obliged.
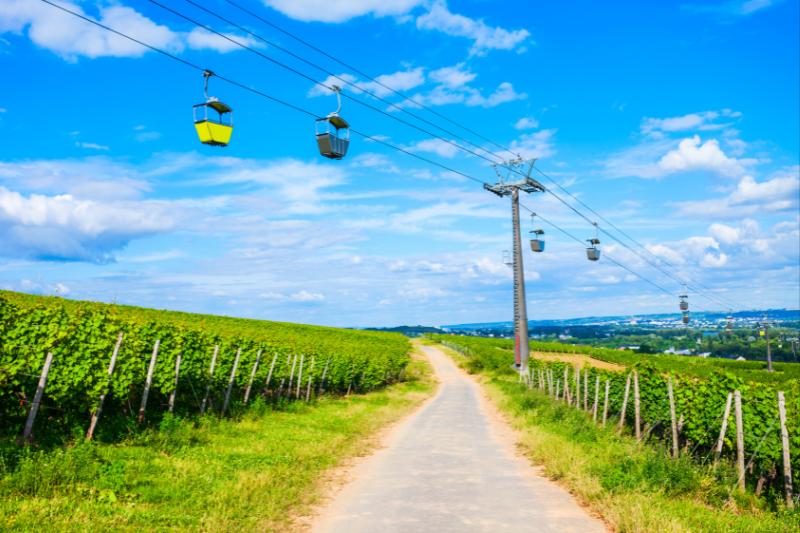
(66, 228)
(693, 154)
(750, 197)
(483, 36)
(661, 158)
(71, 37)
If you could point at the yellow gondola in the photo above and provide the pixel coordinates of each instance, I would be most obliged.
(213, 130)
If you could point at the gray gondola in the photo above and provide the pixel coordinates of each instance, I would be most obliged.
(685, 317)
(684, 302)
(537, 240)
(592, 252)
(333, 136)
(333, 132)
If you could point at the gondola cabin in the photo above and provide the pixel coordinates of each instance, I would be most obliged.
(333, 136)
(213, 121)
(537, 240)
(592, 252)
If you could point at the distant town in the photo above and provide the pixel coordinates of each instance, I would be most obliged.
(739, 335)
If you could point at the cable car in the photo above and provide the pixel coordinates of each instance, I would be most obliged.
(213, 130)
(685, 317)
(537, 238)
(592, 253)
(333, 132)
(684, 303)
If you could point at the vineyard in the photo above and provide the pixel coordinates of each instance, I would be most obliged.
(701, 405)
(135, 364)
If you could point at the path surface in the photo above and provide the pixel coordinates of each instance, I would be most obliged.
(451, 467)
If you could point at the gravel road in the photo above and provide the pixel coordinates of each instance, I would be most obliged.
(451, 466)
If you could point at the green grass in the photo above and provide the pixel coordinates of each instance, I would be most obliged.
(635, 488)
(258, 473)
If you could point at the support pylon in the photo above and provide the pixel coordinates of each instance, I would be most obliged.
(505, 188)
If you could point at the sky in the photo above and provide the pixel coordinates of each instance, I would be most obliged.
(678, 122)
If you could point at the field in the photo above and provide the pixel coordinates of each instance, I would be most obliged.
(700, 386)
(199, 362)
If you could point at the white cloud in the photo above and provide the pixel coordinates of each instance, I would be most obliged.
(750, 197)
(702, 121)
(340, 10)
(66, 228)
(733, 8)
(453, 77)
(71, 37)
(435, 146)
(306, 296)
(484, 37)
(202, 39)
(469, 96)
(535, 145)
(92, 146)
(401, 80)
(691, 154)
(526, 123)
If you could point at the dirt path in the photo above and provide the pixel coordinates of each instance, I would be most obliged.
(452, 467)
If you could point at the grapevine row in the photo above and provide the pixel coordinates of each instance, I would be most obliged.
(699, 402)
(81, 339)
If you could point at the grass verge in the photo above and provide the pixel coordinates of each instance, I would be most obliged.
(634, 487)
(258, 473)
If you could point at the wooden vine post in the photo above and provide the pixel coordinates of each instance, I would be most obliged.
(300, 376)
(624, 402)
(291, 376)
(37, 399)
(605, 404)
(787, 462)
(596, 397)
(269, 374)
(175, 386)
(637, 407)
(324, 375)
(311, 377)
(148, 382)
(231, 380)
(737, 407)
(252, 377)
(577, 388)
(673, 420)
(726, 415)
(586, 389)
(204, 403)
(99, 409)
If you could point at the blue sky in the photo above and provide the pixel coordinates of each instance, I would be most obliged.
(679, 122)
